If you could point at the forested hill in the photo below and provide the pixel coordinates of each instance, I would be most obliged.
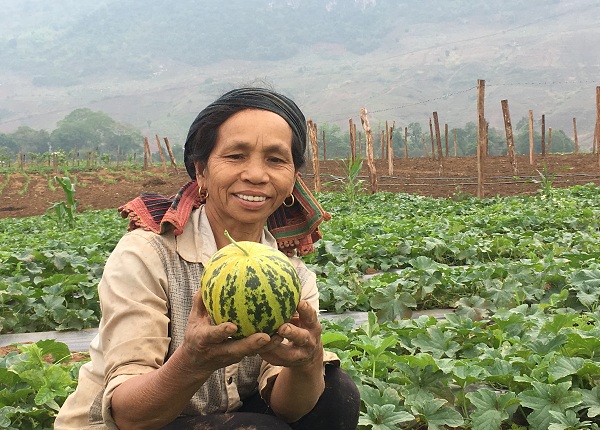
(77, 39)
(153, 63)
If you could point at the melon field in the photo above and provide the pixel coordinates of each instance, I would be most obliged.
(520, 275)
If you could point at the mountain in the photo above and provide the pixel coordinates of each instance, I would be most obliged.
(154, 64)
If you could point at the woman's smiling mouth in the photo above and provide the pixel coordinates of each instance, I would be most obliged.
(251, 198)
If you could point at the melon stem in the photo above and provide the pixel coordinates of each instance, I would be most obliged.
(228, 236)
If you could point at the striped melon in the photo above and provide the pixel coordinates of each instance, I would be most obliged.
(252, 285)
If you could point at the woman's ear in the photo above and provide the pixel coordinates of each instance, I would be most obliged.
(199, 170)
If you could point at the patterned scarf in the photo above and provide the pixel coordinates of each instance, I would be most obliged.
(296, 228)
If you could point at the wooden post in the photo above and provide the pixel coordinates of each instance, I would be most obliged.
(425, 145)
(313, 135)
(390, 149)
(481, 135)
(406, 142)
(543, 141)
(549, 140)
(369, 138)
(454, 132)
(575, 136)
(324, 146)
(162, 155)
(597, 130)
(438, 139)
(171, 156)
(431, 138)
(510, 142)
(147, 154)
(352, 140)
(446, 138)
(531, 141)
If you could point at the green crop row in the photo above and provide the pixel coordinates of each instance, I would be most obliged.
(519, 349)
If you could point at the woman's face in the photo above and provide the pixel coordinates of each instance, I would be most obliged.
(249, 172)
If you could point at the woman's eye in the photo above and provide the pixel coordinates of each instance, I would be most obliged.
(235, 156)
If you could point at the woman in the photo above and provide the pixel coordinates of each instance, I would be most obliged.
(158, 361)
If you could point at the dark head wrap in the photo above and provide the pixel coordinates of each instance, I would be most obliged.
(235, 101)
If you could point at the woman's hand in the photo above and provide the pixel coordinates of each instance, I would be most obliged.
(209, 347)
(304, 345)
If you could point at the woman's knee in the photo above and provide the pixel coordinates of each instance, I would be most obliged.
(339, 405)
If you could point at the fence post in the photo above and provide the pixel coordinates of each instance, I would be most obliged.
(162, 155)
(390, 148)
(171, 156)
(510, 142)
(312, 134)
(481, 136)
(531, 140)
(352, 140)
(369, 143)
(576, 139)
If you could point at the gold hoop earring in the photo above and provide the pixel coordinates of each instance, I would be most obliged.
(203, 193)
(289, 205)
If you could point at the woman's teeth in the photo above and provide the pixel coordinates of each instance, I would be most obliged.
(251, 198)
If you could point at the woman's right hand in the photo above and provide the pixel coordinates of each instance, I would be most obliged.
(209, 347)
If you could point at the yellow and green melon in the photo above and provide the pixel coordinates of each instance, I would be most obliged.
(251, 285)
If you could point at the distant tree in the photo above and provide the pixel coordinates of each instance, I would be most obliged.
(84, 129)
(29, 140)
(561, 143)
(466, 140)
(8, 144)
(337, 146)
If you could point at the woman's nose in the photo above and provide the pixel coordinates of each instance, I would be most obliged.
(255, 171)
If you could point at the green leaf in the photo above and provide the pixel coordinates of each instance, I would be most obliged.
(383, 417)
(437, 342)
(563, 367)
(491, 408)
(544, 398)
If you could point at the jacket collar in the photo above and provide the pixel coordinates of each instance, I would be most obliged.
(197, 242)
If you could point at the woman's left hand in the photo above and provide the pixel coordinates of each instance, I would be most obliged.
(303, 334)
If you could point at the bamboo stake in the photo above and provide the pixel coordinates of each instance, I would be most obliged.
(531, 142)
(549, 140)
(171, 156)
(324, 146)
(481, 135)
(382, 145)
(162, 155)
(312, 134)
(369, 144)
(510, 142)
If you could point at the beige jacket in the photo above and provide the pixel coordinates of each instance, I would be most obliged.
(146, 294)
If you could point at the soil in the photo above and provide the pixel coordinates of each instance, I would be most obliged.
(27, 192)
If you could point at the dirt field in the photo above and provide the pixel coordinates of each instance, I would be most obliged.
(25, 194)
